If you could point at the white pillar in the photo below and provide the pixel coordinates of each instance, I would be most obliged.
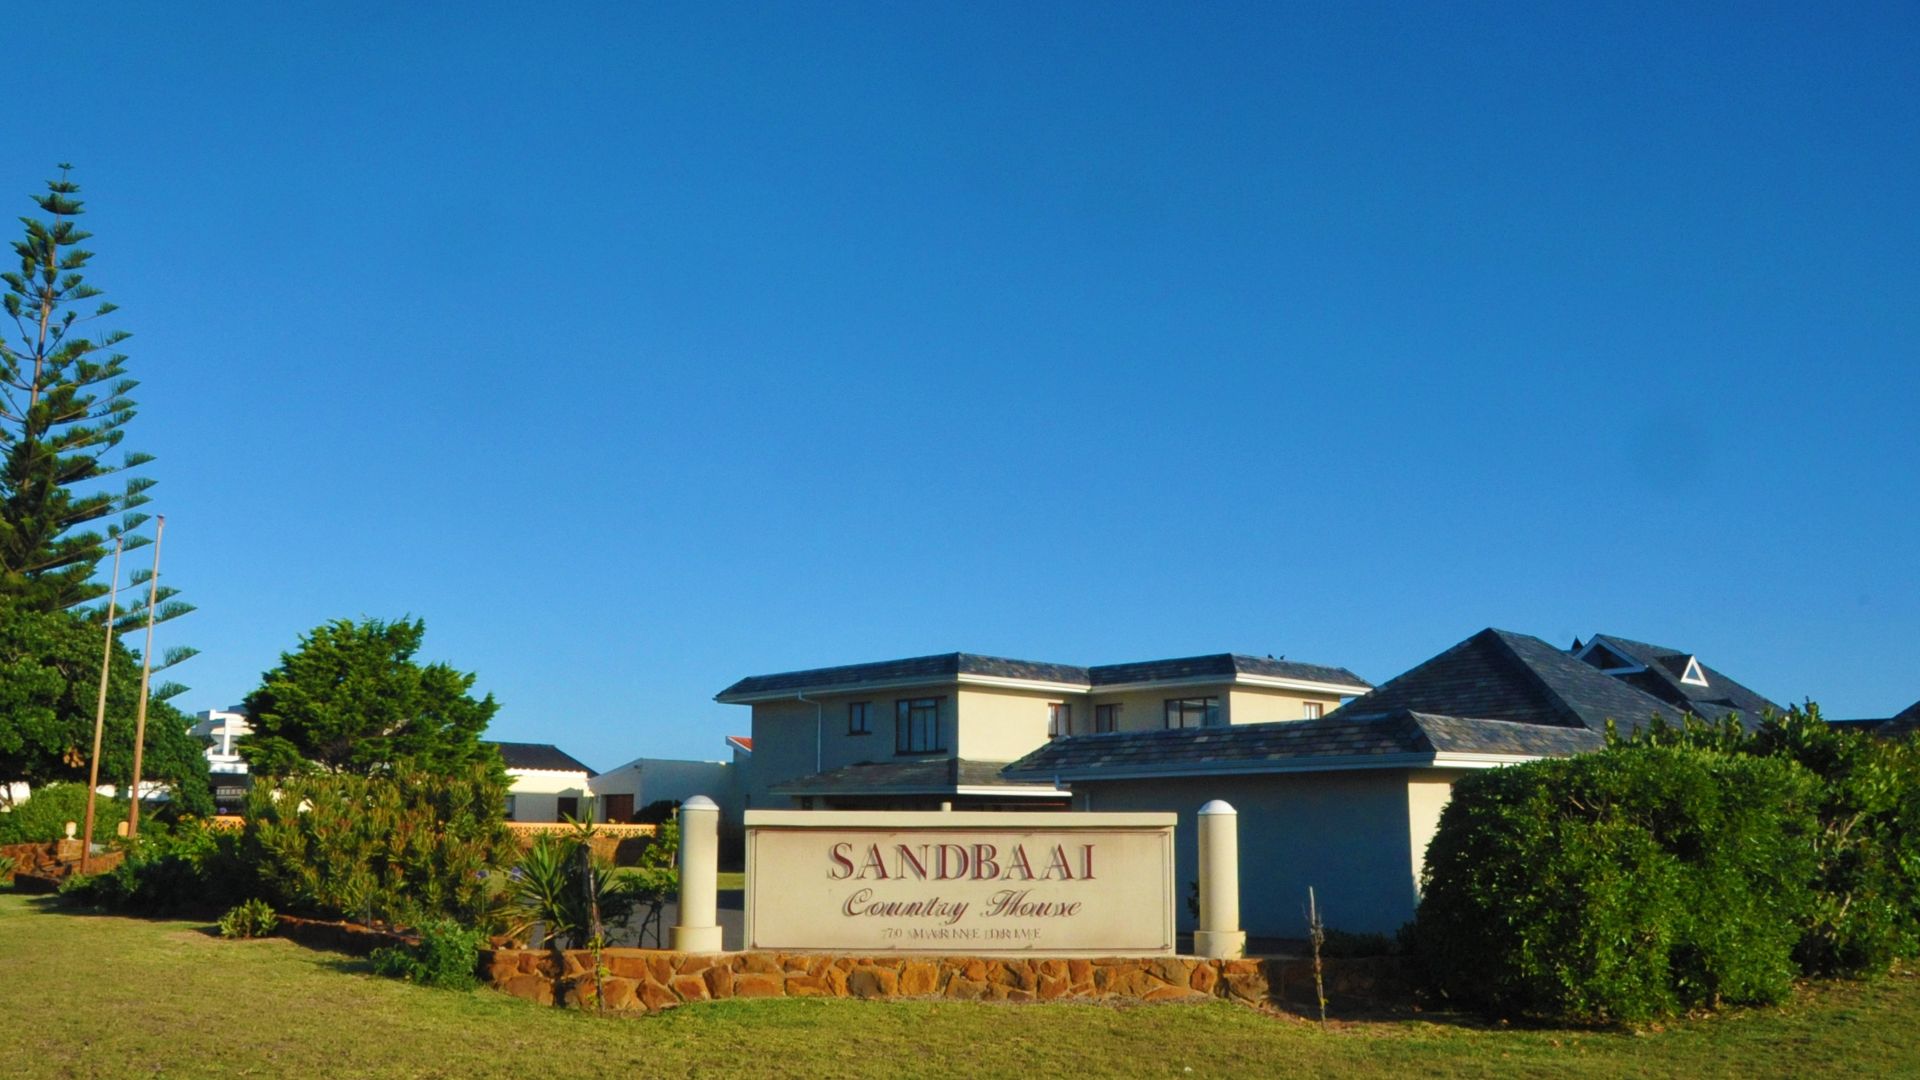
(698, 929)
(1219, 935)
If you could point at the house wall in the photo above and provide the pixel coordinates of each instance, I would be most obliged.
(652, 779)
(1428, 792)
(1346, 834)
(536, 792)
(1004, 725)
(1254, 705)
(784, 731)
(1146, 710)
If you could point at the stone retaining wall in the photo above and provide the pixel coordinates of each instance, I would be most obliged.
(641, 981)
(649, 980)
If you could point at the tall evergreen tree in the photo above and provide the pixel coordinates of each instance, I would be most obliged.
(64, 406)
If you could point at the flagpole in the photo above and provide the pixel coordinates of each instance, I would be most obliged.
(100, 711)
(146, 669)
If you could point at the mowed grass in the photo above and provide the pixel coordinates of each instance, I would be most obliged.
(90, 995)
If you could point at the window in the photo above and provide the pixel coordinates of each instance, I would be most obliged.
(857, 723)
(1059, 720)
(1311, 710)
(916, 726)
(509, 808)
(619, 808)
(569, 807)
(1106, 718)
(1193, 712)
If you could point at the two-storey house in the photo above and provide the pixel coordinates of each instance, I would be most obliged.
(937, 730)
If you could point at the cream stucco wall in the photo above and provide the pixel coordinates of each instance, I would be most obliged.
(1356, 837)
(1002, 725)
(1428, 791)
(784, 735)
(536, 792)
(1257, 705)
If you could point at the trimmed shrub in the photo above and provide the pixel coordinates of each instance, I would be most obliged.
(253, 919)
(1618, 886)
(447, 956)
(404, 847)
(193, 869)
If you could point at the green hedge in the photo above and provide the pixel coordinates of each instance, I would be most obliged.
(43, 818)
(1619, 886)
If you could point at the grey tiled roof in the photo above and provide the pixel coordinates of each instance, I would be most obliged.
(952, 665)
(544, 756)
(1500, 675)
(920, 776)
(930, 668)
(1225, 665)
(1355, 740)
(1662, 679)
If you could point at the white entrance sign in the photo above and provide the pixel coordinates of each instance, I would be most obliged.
(1045, 884)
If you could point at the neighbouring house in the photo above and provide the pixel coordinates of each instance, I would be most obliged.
(1898, 726)
(1347, 803)
(933, 731)
(220, 730)
(545, 782)
(624, 790)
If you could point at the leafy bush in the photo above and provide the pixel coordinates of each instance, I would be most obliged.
(255, 918)
(7, 865)
(1866, 909)
(405, 846)
(552, 888)
(43, 818)
(447, 956)
(1618, 886)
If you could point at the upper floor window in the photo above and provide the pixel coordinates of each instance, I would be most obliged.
(1106, 718)
(1059, 720)
(1193, 712)
(1311, 710)
(916, 726)
(857, 723)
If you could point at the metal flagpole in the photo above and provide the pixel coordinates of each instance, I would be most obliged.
(100, 711)
(146, 669)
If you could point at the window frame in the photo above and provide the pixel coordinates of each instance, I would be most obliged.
(865, 726)
(1106, 718)
(1208, 707)
(904, 719)
(1059, 719)
(1313, 710)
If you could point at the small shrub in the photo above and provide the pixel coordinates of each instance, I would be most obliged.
(1344, 944)
(7, 865)
(191, 870)
(253, 919)
(447, 956)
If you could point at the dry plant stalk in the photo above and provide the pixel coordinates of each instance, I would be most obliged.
(1317, 934)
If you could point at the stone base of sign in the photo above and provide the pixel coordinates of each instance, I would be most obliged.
(648, 980)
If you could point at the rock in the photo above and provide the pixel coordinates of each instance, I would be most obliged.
(627, 965)
(689, 988)
(918, 979)
(1079, 971)
(657, 997)
(757, 985)
(620, 994)
(535, 988)
(719, 981)
(1170, 970)
(660, 968)
(966, 989)
(1052, 988)
(1171, 993)
(1205, 978)
(872, 982)
(760, 963)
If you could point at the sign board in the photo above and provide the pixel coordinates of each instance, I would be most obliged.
(1045, 884)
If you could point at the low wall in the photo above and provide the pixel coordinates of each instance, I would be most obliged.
(42, 867)
(621, 844)
(650, 980)
(640, 981)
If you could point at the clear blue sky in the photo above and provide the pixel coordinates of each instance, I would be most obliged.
(644, 347)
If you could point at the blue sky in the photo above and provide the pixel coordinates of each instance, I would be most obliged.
(641, 348)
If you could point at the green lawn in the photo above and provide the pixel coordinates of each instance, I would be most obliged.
(84, 995)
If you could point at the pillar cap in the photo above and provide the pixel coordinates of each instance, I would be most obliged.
(699, 802)
(1219, 806)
